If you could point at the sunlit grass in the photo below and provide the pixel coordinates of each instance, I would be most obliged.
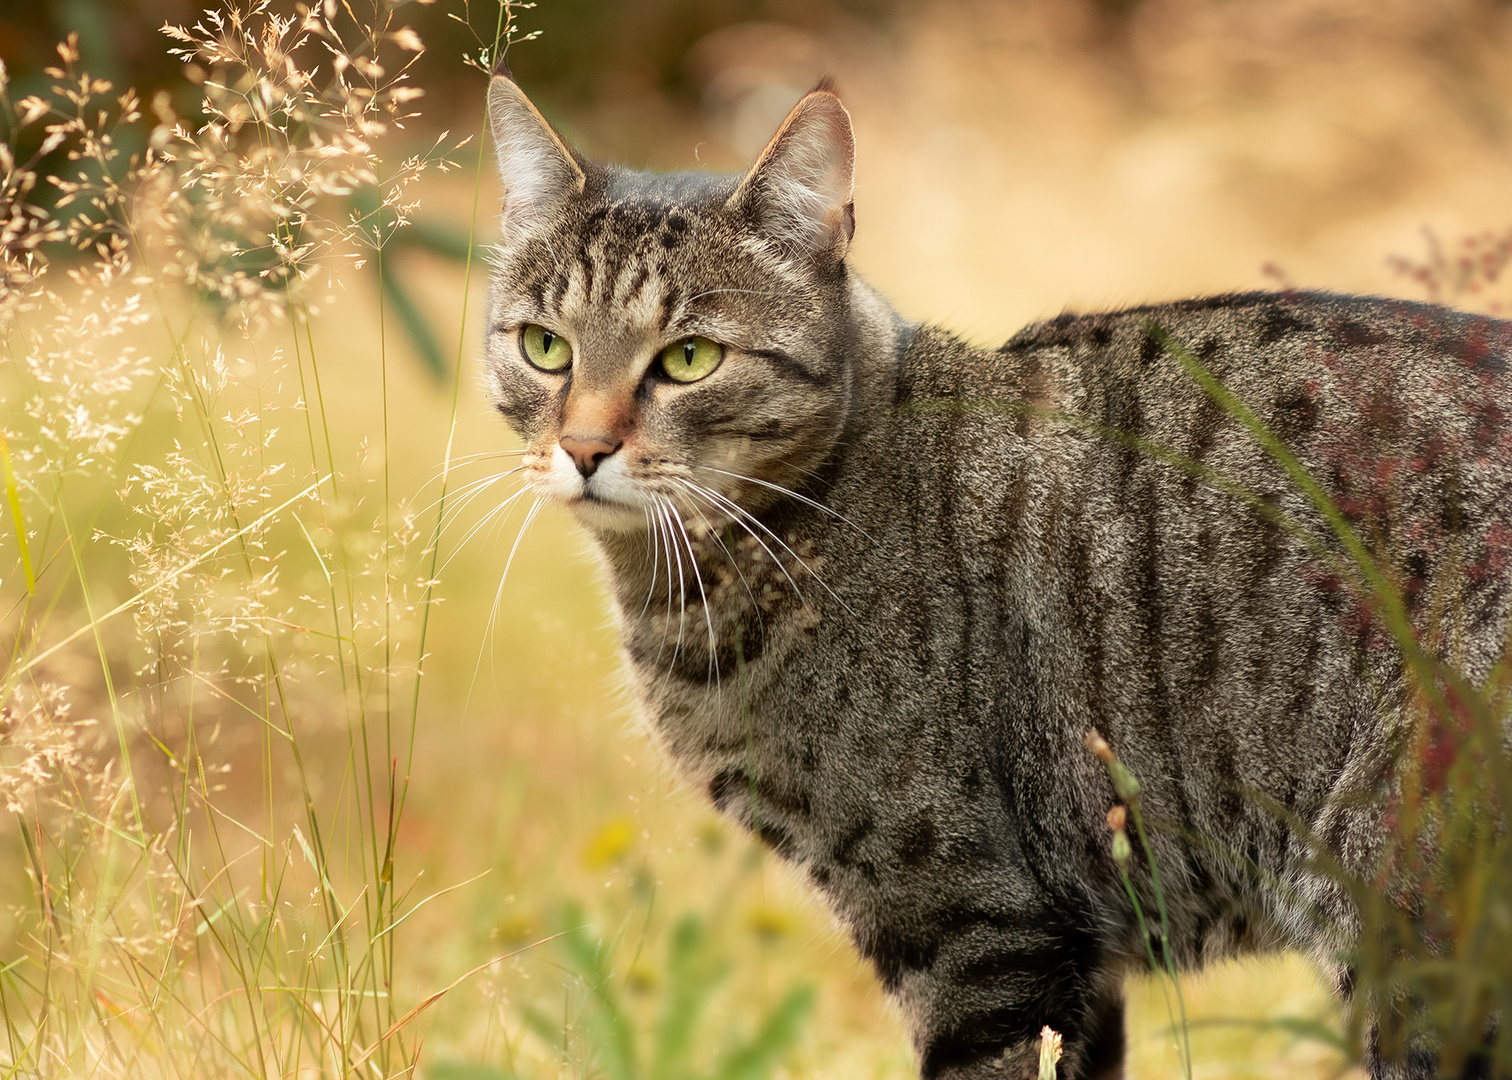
(242, 835)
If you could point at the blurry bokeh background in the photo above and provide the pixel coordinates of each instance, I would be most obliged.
(1016, 158)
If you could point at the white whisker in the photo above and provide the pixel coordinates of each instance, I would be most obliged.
(682, 588)
(471, 485)
(469, 497)
(495, 514)
(467, 459)
(698, 577)
(655, 562)
(446, 468)
(695, 490)
(493, 614)
(743, 515)
(659, 521)
(791, 494)
(744, 518)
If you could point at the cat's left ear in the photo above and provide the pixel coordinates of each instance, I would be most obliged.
(539, 170)
(799, 191)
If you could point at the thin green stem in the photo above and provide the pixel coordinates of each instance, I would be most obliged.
(13, 496)
(1136, 818)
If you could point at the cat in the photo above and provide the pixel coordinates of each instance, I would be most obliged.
(875, 586)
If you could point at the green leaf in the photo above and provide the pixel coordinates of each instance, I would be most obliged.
(13, 496)
(1300, 1026)
(609, 1030)
(757, 1059)
(692, 973)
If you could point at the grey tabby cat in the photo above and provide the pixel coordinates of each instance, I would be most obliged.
(873, 593)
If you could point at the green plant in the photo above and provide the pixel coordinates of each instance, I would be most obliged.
(216, 599)
(652, 1000)
(1126, 787)
(601, 1033)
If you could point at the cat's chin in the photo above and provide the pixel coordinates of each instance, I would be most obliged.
(603, 516)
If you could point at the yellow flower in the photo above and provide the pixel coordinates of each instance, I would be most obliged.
(610, 844)
(769, 924)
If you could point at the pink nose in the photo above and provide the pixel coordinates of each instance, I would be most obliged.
(588, 452)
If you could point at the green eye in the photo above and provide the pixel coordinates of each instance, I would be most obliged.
(544, 349)
(691, 359)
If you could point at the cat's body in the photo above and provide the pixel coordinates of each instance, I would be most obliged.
(875, 586)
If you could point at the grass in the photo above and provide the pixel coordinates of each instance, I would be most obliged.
(228, 530)
(1426, 942)
(282, 793)
(204, 893)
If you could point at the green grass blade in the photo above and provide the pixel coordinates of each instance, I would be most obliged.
(13, 496)
(692, 974)
(613, 1035)
(776, 1036)
(1393, 612)
(1301, 1027)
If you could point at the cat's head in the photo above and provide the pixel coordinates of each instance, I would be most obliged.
(671, 341)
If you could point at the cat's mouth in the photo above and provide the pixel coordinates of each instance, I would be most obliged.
(608, 500)
(616, 496)
(608, 514)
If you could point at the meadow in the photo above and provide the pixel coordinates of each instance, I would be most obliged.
(297, 780)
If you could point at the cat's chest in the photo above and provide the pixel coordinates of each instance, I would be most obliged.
(867, 639)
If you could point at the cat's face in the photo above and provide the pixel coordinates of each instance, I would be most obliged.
(670, 343)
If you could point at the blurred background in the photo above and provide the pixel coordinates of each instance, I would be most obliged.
(1016, 158)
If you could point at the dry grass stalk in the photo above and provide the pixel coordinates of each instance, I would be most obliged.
(192, 904)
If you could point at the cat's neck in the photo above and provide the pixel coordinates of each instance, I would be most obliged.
(880, 335)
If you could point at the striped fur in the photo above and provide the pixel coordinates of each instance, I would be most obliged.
(874, 587)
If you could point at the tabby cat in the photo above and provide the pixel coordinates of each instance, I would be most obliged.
(875, 585)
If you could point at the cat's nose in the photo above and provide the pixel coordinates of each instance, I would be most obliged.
(588, 453)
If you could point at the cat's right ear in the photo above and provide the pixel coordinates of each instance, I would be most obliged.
(538, 169)
(798, 194)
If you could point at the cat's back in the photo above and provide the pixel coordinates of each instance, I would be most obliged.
(1350, 385)
(1088, 364)
(1099, 539)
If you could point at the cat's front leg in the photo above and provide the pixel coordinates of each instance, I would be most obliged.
(978, 987)
(971, 1047)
